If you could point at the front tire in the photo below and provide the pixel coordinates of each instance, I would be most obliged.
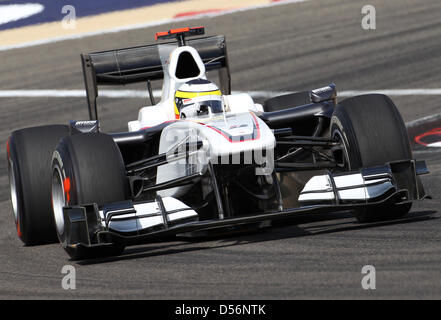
(87, 168)
(373, 133)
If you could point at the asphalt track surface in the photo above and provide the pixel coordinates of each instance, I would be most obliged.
(289, 47)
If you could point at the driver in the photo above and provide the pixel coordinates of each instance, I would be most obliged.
(198, 98)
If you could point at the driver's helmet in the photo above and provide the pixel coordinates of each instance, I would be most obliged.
(198, 98)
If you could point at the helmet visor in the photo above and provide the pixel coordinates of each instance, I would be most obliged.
(199, 106)
(214, 105)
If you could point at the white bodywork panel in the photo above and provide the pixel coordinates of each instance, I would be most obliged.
(349, 187)
(151, 116)
(225, 140)
(235, 132)
(164, 111)
(179, 210)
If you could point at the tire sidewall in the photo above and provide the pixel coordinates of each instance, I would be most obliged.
(59, 168)
(63, 160)
(14, 165)
(341, 129)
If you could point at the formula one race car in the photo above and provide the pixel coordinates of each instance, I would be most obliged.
(203, 159)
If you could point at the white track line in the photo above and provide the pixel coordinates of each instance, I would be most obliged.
(434, 145)
(73, 93)
(417, 122)
(157, 93)
(394, 92)
(145, 25)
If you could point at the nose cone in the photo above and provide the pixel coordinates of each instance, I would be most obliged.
(237, 127)
(238, 133)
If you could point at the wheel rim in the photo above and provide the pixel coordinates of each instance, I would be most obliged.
(58, 200)
(13, 190)
(346, 163)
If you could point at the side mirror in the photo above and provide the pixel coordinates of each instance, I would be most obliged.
(323, 94)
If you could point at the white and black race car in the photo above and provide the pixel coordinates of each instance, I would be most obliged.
(203, 159)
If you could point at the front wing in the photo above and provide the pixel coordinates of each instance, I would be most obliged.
(92, 227)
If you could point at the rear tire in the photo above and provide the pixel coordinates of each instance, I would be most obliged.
(87, 168)
(29, 154)
(373, 133)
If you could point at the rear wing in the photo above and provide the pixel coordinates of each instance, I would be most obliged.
(143, 64)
